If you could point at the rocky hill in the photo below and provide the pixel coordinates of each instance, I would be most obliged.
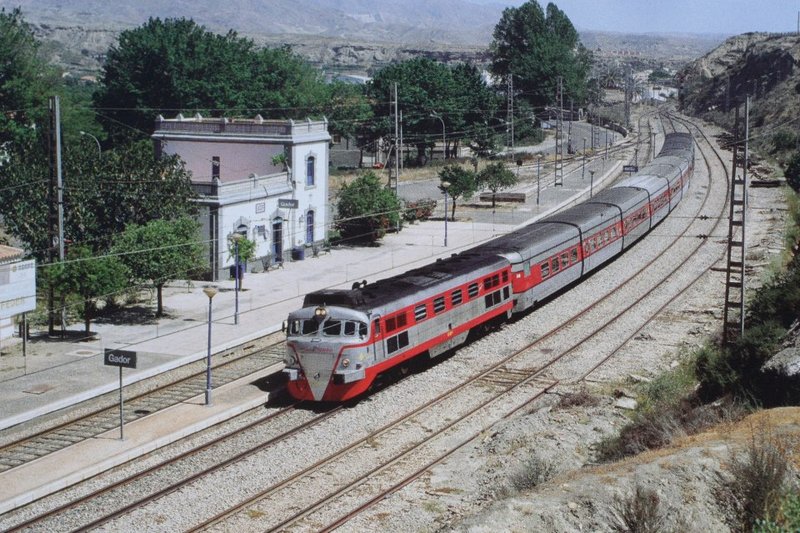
(763, 66)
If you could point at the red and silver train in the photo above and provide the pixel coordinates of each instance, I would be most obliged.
(341, 340)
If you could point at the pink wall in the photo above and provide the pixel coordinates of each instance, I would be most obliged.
(237, 159)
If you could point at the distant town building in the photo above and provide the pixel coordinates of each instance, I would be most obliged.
(17, 287)
(264, 179)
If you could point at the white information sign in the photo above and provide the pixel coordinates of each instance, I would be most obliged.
(17, 288)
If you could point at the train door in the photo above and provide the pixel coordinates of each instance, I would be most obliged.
(377, 335)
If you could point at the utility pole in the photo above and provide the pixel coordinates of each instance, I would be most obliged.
(393, 175)
(402, 148)
(733, 311)
(56, 208)
(510, 115)
(558, 171)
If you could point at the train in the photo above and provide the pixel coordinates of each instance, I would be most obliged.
(341, 340)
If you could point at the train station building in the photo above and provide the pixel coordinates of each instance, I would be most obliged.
(264, 179)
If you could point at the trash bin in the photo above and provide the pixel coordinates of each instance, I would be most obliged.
(298, 253)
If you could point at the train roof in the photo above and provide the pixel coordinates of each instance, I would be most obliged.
(653, 184)
(624, 197)
(587, 215)
(387, 290)
(528, 240)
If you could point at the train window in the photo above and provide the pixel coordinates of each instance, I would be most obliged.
(332, 328)
(587, 248)
(349, 328)
(401, 320)
(555, 265)
(455, 296)
(362, 330)
(391, 344)
(473, 290)
(492, 299)
(505, 276)
(294, 327)
(614, 232)
(565, 260)
(420, 312)
(377, 327)
(545, 269)
(487, 284)
(505, 292)
(391, 325)
(402, 339)
(495, 280)
(438, 304)
(573, 255)
(310, 327)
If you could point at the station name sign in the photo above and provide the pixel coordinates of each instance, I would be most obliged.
(630, 168)
(288, 203)
(121, 358)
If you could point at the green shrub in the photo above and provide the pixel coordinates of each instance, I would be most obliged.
(785, 519)
(418, 210)
(792, 172)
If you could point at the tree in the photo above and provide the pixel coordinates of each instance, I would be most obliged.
(366, 209)
(536, 48)
(25, 80)
(160, 251)
(463, 183)
(426, 88)
(792, 172)
(496, 177)
(91, 277)
(174, 64)
(102, 194)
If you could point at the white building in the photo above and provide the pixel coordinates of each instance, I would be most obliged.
(245, 188)
(17, 287)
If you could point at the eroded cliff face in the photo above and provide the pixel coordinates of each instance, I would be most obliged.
(762, 66)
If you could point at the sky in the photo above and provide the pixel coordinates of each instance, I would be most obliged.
(676, 16)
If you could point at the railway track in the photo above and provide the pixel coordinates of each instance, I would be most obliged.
(98, 421)
(500, 378)
(474, 403)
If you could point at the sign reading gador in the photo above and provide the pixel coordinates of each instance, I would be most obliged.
(120, 358)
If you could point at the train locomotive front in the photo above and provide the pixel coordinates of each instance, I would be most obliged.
(328, 353)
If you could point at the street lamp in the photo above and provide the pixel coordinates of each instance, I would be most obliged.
(99, 151)
(583, 169)
(591, 183)
(210, 292)
(539, 175)
(445, 186)
(444, 142)
(236, 237)
(636, 157)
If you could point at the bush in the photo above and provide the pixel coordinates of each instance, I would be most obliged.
(786, 519)
(579, 398)
(757, 481)
(535, 471)
(419, 210)
(639, 512)
(792, 172)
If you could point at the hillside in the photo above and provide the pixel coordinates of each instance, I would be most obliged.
(351, 35)
(763, 66)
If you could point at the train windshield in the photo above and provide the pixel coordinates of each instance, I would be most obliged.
(330, 327)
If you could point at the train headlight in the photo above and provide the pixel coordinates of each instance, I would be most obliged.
(345, 363)
(320, 313)
(289, 360)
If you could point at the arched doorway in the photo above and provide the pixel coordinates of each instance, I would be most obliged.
(310, 227)
(277, 239)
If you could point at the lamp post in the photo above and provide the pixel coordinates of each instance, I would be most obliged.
(654, 145)
(636, 157)
(236, 237)
(210, 292)
(583, 169)
(444, 142)
(99, 151)
(445, 186)
(591, 183)
(538, 175)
